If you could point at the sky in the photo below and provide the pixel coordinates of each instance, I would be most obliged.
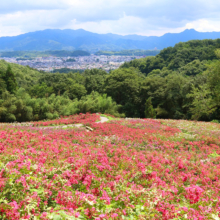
(142, 17)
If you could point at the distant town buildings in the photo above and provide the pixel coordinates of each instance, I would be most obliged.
(49, 64)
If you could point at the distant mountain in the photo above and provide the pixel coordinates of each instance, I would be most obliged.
(54, 39)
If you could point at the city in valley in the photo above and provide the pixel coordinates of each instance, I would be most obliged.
(51, 63)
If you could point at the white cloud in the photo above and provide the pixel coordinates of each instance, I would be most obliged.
(204, 25)
(145, 17)
(130, 24)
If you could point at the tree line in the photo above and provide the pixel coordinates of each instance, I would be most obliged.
(31, 54)
(181, 82)
(129, 53)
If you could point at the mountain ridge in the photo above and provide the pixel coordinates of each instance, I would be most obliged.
(68, 39)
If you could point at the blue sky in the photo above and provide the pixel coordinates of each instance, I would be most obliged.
(143, 17)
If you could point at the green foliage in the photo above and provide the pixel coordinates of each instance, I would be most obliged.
(25, 77)
(61, 215)
(215, 121)
(67, 70)
(213, 74)
(183, 82)
(94, 80)
(10, 81)
(123, 85)
(76, 90)
(129, 53)
(7, 107)
(180, 55)
(59, 84)
(137, 63)
(99, 103)
(193, 68)
(174, 97)
(3, 85)
(21, 107)
(202, 106)
(214, 155)
(149, 110)
(41, 90)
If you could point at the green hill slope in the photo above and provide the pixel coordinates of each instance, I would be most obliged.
(25, 76)
(178, 56)
(181, 82)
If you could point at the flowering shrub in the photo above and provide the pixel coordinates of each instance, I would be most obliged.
(72, 119)
(124, 169)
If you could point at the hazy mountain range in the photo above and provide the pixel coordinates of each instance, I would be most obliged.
(54, 39)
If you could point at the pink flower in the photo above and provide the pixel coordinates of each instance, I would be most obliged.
(114, 215)
(124, 212)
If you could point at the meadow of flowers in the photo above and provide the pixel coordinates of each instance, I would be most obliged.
(123, 169)
(73, 119)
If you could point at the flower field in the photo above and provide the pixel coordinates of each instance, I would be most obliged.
(81, 118)
(122, 169)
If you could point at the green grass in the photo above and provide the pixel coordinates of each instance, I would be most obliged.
(109, 117)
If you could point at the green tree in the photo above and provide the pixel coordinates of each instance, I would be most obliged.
(2, 86)
(94, 80)
(96, 102)
(11, 83)
(24, 111)
(7, 107)
(41, 90)
(149, 110)
(123, 85)
(214, 79)
(154, 87)
(174, 97)
(202, 106)
(75, 90)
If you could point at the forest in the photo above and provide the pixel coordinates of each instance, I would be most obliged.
(129, 53)
(181, 82)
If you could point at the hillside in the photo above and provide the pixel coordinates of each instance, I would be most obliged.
(181, 82)
(25, 76)
(55, 39)
(178, 56)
